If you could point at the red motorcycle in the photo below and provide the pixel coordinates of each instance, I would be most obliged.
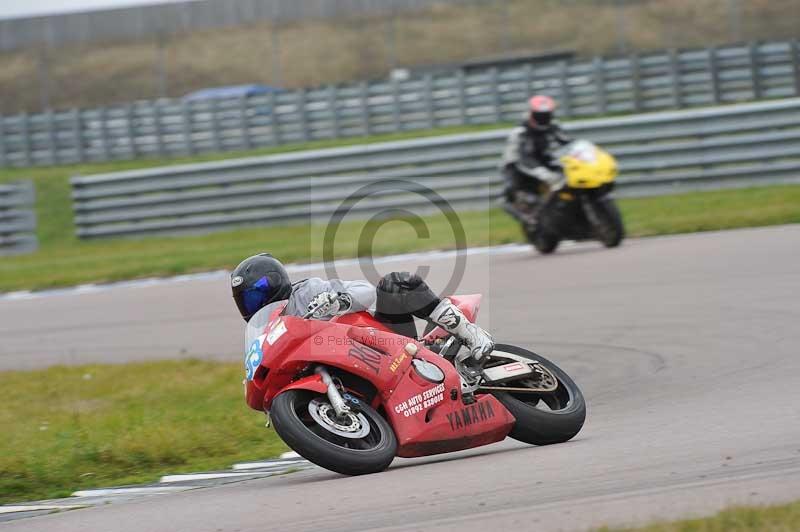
(350, 394)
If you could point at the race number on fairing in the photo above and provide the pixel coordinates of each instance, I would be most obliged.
(252, 359)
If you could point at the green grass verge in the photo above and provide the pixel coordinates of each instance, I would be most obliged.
(61, 263)
(69, 428)
(783, 518)
(63, 260)
(64, 263)
(54, 204)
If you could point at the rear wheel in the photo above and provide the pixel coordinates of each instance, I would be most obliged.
(357, 443)
(547, 417)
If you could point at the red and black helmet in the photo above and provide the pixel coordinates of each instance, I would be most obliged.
(541, 110)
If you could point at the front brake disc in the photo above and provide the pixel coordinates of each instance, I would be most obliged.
(351, 425)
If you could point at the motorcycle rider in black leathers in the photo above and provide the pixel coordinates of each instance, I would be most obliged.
(261, 279)
(528, 163)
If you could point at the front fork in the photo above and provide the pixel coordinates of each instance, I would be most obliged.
(590, 212)
(336, 399)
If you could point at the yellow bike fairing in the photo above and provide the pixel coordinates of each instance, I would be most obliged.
(587, 166)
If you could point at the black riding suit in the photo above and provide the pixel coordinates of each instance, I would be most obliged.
(528, 151)
(398, 297)
(401, 296)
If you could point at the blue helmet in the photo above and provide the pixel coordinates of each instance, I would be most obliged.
(258, 281)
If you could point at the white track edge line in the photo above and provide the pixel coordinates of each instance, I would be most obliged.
(167, 479)
(19, 508)
(143, 490)
(292, 268)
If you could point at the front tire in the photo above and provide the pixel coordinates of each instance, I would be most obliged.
(613, 230)
(544, 242)
(307, 436)
(566, 411)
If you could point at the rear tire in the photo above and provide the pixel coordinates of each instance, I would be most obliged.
(544, 427)
(309, 439)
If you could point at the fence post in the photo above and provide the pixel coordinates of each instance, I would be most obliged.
(601, 102)
(244, 123)
(300, 103)
(104, 144)
(162, 148)
(274, 119)
(215, 140)
(528, 72)
(462, 98)
(3, 159)
(52, 139)
(333, 107)
(26, 139)
(714, 72)
(563, 81)
(794, 51)
(77, 135)
(427, 93)
(675, 76)
(396, 120)
(186, 127)
(130, 131)
(365, 125)
(636, 82)
(755, 71)
(495, 86)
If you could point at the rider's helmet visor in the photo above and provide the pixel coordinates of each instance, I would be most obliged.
(255, 297)
(541, 118)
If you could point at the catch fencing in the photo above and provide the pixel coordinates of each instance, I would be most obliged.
(742, 145)
(635, 84)
(17, 218)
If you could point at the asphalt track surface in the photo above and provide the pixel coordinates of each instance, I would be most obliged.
(686, 348)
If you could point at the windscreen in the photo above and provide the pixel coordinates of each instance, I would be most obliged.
(583, 150)
(259, 321)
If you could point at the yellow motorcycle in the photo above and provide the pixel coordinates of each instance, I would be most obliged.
(579, 206)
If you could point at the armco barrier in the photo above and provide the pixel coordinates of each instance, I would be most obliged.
(749, 144)
(17, 218)
(674, 80)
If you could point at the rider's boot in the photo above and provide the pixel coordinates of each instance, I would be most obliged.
(450, 318)
(477, 341)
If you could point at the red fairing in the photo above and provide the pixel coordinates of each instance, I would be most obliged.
(312, 382)
(427, 417)
(361, 319)
(431, 418)
(367, 352)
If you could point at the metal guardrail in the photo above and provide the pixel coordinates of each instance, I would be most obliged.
(748, 144)
(675, 80)
(17, 218)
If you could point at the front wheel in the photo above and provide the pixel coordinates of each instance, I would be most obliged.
(357, 443)
(544, 242)
(546, 417)
(611, 229)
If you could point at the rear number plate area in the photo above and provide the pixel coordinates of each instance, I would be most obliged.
(506, 372)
